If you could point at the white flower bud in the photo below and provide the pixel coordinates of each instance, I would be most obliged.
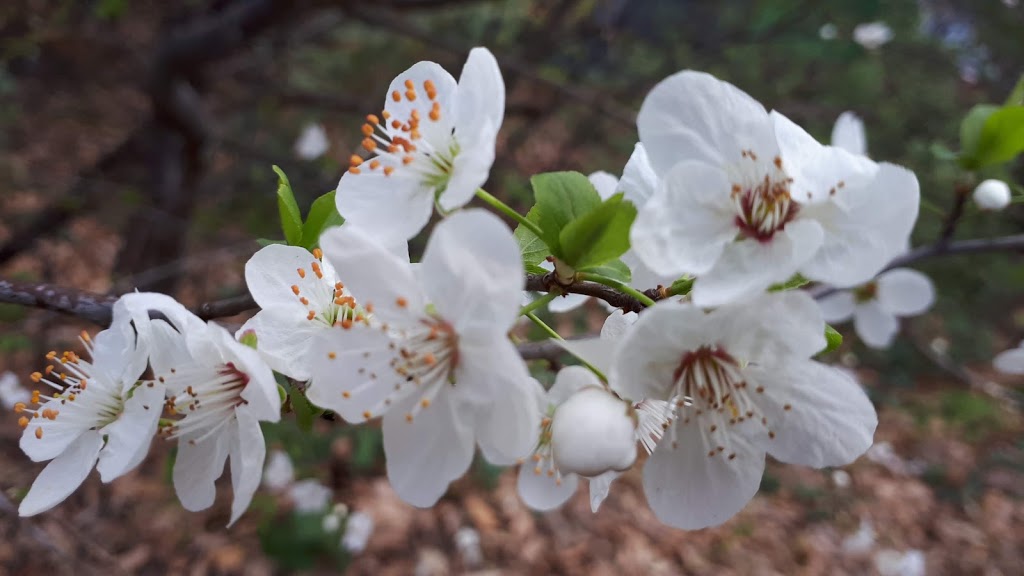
(593, 432)
(992, 195)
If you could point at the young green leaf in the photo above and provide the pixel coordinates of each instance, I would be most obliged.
(793, 283)
(305, 412)
(833, 339)
(1002, 137)
(291, 219)
(532, 248)
(561, 198)
(599, 235)
(614, 269)
(323, 214)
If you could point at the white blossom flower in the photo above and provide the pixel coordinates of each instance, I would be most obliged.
(848, 134)
(358, 529)
(872, 35)
(219, 391)
(299, 295)
(828, 31)
(890, 562)
(312, 143)
(467, 542)
(877, 305)
(992, 195)
(12, 392)
(1010, 361)
(434, 141)
(97, 412)
(436, 363)
(309, 495)
(279, 472)
(745, 386)
(747, 199)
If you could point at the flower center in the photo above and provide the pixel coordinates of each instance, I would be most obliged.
(710, 386)
(426, 151)
(207, 401)
(865, 293)
(326, 303)
(763, 206)
(543, 456)
(83, 397)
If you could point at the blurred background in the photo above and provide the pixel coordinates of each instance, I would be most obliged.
(135, 152)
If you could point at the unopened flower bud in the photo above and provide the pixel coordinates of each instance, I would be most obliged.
(992, 195)
(593, 432)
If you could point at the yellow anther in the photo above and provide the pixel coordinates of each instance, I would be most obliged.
(332, 355)
(23, 422)
(346, 394)
(39, 433)
(295, 288)
(318, 253)
(36, 377)
(425, 403)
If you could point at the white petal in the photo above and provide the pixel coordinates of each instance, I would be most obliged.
(271, 273)
(279, 471)
(376, 275)
(905, 292)
(688, 489)
(599, 487)
(1010, 362)
(470, 168)
(169, 348)
(129, 437)
(260, 394)
(56, 437)
(830, 422)
(248, 452)
(684, 227)
(567, 303)
(617, 324)
(876, 326)
(639, 181)
(141, 304)
(838, 306)
(284, 341)
(597, 351)
(424, 456)
(749, 266)
(196, 468)
(542, 492)
(848, 134)
(864, 227)
(310, 496)
(125, 359)
(816, 170)
(593, 432)
(604, 183)
(774, 325)
(360, 368)
(388, 207)
(481, 98)
(508, 423)
(568, 381)
(446, 89)
(63, 475)
(473, 273)
(694, 116)
(642, 275)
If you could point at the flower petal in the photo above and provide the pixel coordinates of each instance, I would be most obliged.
(639, 182)
(749, 266)
(567, 303)
(684, 227)
(248, 451)
(481, 98)
(848, 134)
(196, 468)
(129, 437)
(876, 326)
(387, 207)
(425, 455)
(1010, 362)
(63, 475)
(470, 168)
(568, 381)
(599, 487)
(260, 394)
(818, 170)
(605, 183)
(542, 492)
(597, 351)
(359, 376)
(905, 292)
(473, 273)
(283, 341)
(402, 108)
(617, 324)
(829, 422)
(271, 274)
(694, 116)
(837, 306)
(688, 489)
(378, 276)
(773, 325)
(865, 227)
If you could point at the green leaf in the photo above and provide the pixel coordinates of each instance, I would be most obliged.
(1016, 97)
(833, 339)
(534, 269)
(291, 218)
(1002, 137)
(305, 412)
(532, 248)
(681, 286)
(323, 214)
(614, 269)
(970, 133)
(561, 198)
(599, 235)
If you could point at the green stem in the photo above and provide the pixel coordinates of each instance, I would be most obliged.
(508, 211)
(551, 332)
(621, 287)
(538, 303)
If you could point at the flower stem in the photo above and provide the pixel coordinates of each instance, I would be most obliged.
(551, 332)
(538, 303)
(508, 211)
(621, 287)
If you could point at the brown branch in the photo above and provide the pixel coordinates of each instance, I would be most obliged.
(547, 283)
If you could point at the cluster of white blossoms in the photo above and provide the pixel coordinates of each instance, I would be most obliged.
(707, 382)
